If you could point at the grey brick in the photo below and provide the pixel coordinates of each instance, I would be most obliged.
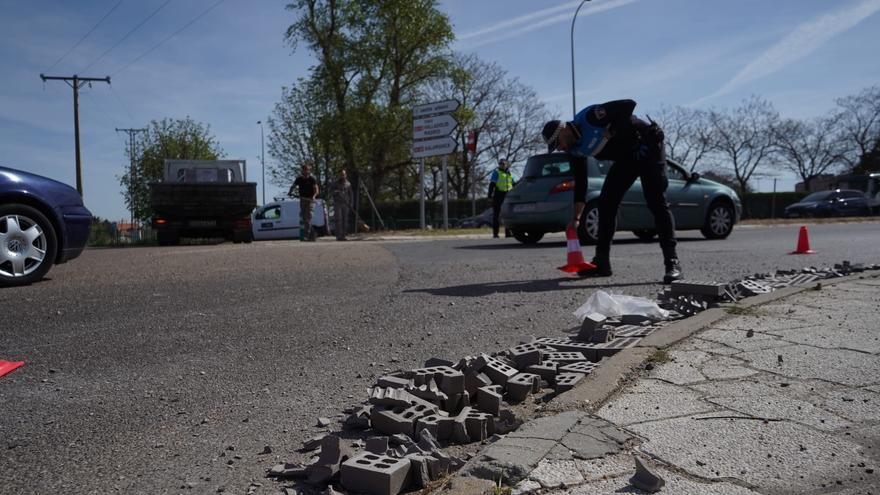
(434, 361)
(635, 320)
(377, 445)
(522, 385)
(399, 419)
(525, 355)
(496, 370)
(568, 345)
(591, 323)
(615, 346)
(567, 381)
(391, 381)
(333, 452)
(562, 358)
(376, 475)
(473, 381)
(439, 426)
(546, 370)
(635, 330)
(489, 399)
(583, 367)
(449, 380)
(480, 426)
(713, 289)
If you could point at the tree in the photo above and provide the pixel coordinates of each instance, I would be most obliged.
(688, 135)
(724, 178)
(859, 118)
(744, 139)
(166, 139)
(809, 148)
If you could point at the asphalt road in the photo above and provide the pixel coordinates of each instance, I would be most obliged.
(169, 370)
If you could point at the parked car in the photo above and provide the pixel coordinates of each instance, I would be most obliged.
(42, 222)
(279, 219)
(542, 202)
(833, 203)
(484, 219)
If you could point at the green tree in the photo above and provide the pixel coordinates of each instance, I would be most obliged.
(166, 139)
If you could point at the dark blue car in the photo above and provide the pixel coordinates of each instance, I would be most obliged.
(42, 222)
(833, 203)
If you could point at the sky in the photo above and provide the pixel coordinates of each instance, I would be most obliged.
(223, 62)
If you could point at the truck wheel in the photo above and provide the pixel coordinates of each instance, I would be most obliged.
(168, 237)
(28, 245)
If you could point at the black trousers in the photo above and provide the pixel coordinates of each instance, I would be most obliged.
(497, 200)
(654, 183)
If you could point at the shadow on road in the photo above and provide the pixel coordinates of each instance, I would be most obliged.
(562, 244)
(486, 289)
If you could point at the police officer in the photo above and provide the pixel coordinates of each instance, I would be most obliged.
(610, 131)
(499, 184)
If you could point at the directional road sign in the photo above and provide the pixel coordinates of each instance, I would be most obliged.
(433, 147)
(435, 108)
(433, 127)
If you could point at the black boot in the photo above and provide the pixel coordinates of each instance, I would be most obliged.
(603, 268)
(673, 271)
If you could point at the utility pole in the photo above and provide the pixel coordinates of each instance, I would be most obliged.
(263, 159)
(76, 82)
(131, 176)
(573, 98)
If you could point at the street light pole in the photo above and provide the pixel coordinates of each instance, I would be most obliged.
(573, 104)
(263, 159)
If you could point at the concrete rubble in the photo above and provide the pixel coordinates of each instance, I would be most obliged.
(410, 415)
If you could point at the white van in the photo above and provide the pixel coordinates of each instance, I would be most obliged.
(280, 220)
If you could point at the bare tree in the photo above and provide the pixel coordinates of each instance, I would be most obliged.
(809, 148)
(744, 138)
(859, 118)
(688, 135)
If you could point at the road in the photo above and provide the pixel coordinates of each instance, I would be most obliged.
(169, 370)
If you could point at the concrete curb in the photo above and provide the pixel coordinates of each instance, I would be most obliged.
(597, 387)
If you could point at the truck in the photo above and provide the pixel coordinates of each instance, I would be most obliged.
(203, 198)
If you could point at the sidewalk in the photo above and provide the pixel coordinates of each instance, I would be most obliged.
(778, 399)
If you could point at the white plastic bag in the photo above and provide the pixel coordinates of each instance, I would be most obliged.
(618, 304)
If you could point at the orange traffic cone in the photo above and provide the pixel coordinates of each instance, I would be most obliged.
(8, 366)
(803, 245)
(576, 261)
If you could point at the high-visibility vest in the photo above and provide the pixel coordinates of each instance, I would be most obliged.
(504, 182)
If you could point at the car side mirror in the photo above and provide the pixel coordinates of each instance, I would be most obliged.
(694, 177)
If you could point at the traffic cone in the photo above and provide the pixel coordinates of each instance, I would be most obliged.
(576, 261)
(803, 245)
(8, 366)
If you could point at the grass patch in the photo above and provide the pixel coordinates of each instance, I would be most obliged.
(660, 356)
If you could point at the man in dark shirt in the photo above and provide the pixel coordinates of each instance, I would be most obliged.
(307, 188)
(610, 131)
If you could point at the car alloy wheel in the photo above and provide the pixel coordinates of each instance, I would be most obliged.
(588, 230)
(23, 246)
(720, 220)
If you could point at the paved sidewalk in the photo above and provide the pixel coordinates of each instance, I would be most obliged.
(779, 399)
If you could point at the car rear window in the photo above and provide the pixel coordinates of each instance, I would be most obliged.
(547, 168)
(819, 196)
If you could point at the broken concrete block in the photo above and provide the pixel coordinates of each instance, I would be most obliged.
(568, 345)
(360, 419)
(469, 365)
(567, 381)
(522, 385)
(377, 445)
(333, 452)
(506, 422)
(429, 392)
(591, 323)
(420, 474)
(474, 381)
(439, 465)
(480, 426)
(395, 397)
(434, 361)
(375, 474)
(602, 335)
(635, 320)
(525, 355)
(399, 419)
(563, 358)
(489, 399)
(449, 380)
(312, 443)
(287, 471)
(497, 370)
(634, 331)
(439, 426)
(546, 370)
(427, 442)
(584, 368)
(713, 289)
(390, 381)
(646, 480)
(613, 347)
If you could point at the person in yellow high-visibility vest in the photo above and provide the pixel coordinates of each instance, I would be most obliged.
(499, 184)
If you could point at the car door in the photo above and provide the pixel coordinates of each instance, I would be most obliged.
(266, 221)
(685, 199)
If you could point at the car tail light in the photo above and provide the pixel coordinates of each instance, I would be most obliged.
(161, 221)
(563, 186)
(241, 223)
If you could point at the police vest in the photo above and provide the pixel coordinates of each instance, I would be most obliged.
(504, 182)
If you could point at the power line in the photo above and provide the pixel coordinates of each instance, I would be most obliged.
(86, 35)
(129, 33)
(157, 45)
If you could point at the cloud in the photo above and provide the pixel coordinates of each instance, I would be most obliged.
(535, 20)
(803, 40)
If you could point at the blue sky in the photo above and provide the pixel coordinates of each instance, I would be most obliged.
(227, 68)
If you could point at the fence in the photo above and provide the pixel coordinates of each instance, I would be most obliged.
(106, 234)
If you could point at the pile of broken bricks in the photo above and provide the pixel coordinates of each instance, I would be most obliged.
(410, 415)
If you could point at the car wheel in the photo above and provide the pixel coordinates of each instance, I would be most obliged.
(588, 229)
(645, 235)
(528, 236)
(28, 245)
(719, 221)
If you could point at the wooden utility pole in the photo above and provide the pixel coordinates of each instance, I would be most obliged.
(76, 82)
